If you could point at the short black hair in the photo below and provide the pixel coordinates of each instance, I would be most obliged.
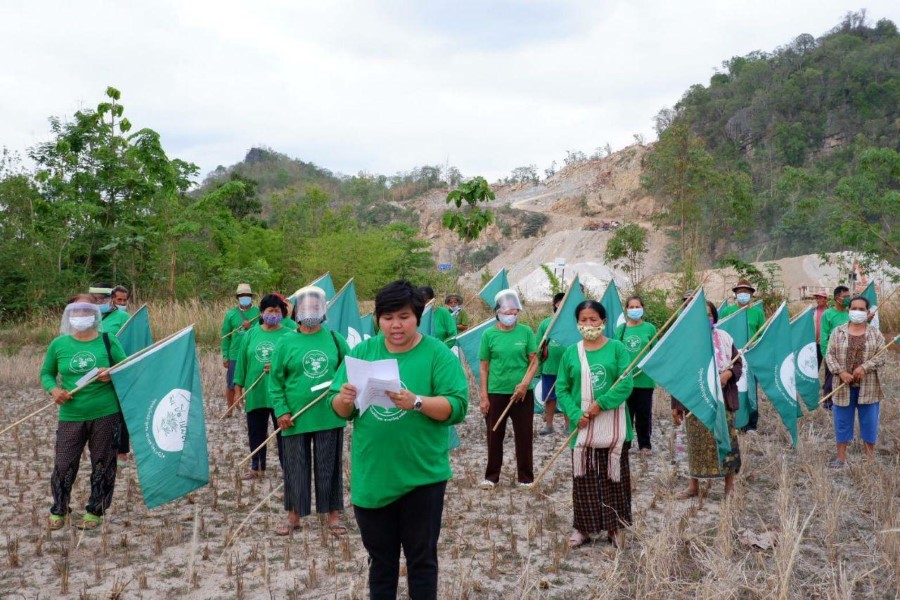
(398, 295)
(427, 291)
(864, 299)
(593, 304)
(714, 311)
(557, 297)
(119, 289)
(840, 290)
(635, 297)
(272, 301)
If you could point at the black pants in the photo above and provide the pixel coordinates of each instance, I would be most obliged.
(124, 439)
(522, 416)
(319, 451)
(412, 522)
(640, 405)
(102, 438)
(258, 431)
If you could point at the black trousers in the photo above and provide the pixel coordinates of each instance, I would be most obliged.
(640, 405)
(102, 438)
(258, 431)
(124, 439)
(522, 416)
(320, 452)
(413, 523)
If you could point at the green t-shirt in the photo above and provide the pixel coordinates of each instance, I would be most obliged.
(636, 338)
(461, 318)
(507, 352)
(395, 451)
(234, 318)
(303, 361)
(756, 318)
(71, 360)
(607, 364)
(444, 326)
(555, 350)
(257, 350)
(832, 318)
(112, 321)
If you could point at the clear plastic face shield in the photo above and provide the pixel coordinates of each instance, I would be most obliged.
(310, 306)
(78, 317)
(507, 307)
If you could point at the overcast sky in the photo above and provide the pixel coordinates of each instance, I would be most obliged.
(382, 86)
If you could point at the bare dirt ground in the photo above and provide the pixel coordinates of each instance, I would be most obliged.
(794, 528)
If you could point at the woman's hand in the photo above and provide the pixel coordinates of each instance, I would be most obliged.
(485, 404)
(103, 375)
(225, 363)
(404, 399)
(267, 368)
(846, 377)
(725, 376)
(583, 421)
(519, 393)
(677, 416)
(60, 396)
(247, 325)
(346, 397)
(859, 374)
(285, 421)
(593, 411)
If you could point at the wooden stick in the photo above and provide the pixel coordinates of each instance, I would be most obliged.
(746, 346)
(233, 331)
(745, 307)
(250, 514)
(25, 418)
(843, 385)
(244, 395)
(884, 300)
(277, 431)
(553, 458)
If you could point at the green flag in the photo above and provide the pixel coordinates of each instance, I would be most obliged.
(498, 282)
(343, 315)
(872, 296)
(135, 333)
(162, 402)
(615, 316)
(368, 326)
(683, 362)
(563, 328)
(772, 361)
(803, 341)
(326, 284)
(426, 322)
(737, 327)
(469, 342)
(723, 305)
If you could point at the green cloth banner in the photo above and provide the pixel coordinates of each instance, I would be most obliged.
(615, 315)
(803, 340)
(564, 328)
(872, 296)
(737, 327)
(469, 342)
(368, 325)
(498, 282)
(162, 402)
(343, 315)
(135, 333)
(326, 284)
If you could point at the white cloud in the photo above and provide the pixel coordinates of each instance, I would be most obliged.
(382, 86)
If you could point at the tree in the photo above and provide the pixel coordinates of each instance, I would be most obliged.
(626, 249)
(469, 221)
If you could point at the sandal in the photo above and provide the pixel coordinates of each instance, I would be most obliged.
(89, 521)
(837, 464)
(287, 528)
(337, 530)
(686, 495)
(56, 522)
(578, 539)
(251, 475)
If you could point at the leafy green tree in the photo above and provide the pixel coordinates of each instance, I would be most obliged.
(469, 221)
(626, 249)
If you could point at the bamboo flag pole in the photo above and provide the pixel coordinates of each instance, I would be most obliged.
(233, 331)
(244, 395)
(88, 382)
(621, 377)
(843, 385)
(277, 431)
(749, 343)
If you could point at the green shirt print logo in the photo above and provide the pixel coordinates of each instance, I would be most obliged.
(315, 364)
(264, 351)
(388, 415)
(598, 377)
(82, 362)
(633, 343)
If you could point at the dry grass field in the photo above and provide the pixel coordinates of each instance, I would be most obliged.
(793, 529)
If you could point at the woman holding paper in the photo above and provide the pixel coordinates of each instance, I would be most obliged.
(401, 458)
(508, 356)
(591, 394)
(303, 365)
(89, 417)
(702, 451)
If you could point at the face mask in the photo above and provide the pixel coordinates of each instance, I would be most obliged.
(508, 320)
(309, 321)
(455, 310)
(120, 307)
(271, 319)
(104, 308)
(743, 298)
(858, 316)
(81, 323)
(590, 333)
(712, 324)
(846, 302)
(635, 313)
(245, 301)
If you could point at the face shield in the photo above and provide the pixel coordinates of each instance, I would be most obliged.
(310, 306)
(507, 300)
(78, 317)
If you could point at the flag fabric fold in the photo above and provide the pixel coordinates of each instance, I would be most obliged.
(343, 315)
(161, 397)
(872, 296)
(563, 328)
(326, 284)
(803, 340)
(135, 333)
(469, 342)
(615, 315)
(737, 327)
(498, 282)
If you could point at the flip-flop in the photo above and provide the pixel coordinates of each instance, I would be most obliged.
(287, 528)
(578, 539)
(89, 521)
(56, 522)
(837, 464)
(337, 530)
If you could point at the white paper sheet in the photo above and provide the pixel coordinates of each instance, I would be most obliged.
(372, 379)
(87, 377)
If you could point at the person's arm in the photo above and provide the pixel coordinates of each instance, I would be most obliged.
(240, 368)
(449, 403)
(530, 372)
(825, 333)
(341, 394)
(484, 372)
(49, 373)
(874, 363)
(226, 338)
(565, 389)
(277, 392)
(835, 358)
(618, 392)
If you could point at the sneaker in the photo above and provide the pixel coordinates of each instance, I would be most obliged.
(750, 431)
(487, 485)
(547, 430)
(56, 522)
(525, 486)
(89, 521)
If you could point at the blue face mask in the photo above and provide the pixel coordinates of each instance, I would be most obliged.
(120, 307)
(635, 314)
(743, 298)
(245, 301)
(104, 308)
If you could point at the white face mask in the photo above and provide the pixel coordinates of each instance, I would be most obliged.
(508, 320)
(858, 316)
(81, 323)
(743, 298)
